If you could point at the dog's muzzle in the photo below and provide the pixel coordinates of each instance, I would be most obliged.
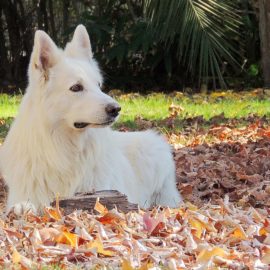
(112, 110)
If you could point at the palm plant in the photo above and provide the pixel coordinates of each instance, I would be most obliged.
(201, 30)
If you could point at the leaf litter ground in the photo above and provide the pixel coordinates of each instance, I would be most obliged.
(223, 173)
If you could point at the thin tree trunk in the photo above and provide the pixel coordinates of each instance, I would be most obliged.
(13, 22)
(44, 14)
(264, 25)
(52, 23)
(36, 3)
(26, 30)
(66, 4)
(4, 65)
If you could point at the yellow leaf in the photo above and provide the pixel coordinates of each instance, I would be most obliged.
(146, 266)
(100, 208)
(72, 238)
(205, 255)
(191, 206)
(57, 206)
(126, 265)
(16, 256)
(100, 249)
(68, 238)
(239, 233)
(197, 225)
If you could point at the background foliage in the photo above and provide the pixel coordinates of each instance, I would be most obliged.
(143, 44)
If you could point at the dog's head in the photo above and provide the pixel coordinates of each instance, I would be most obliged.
(68, 82)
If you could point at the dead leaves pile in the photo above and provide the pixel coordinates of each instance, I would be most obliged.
(237, 164)
(186, 238)
(223, 173)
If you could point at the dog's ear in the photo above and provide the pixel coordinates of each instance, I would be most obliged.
(45, 53)
(80, 45)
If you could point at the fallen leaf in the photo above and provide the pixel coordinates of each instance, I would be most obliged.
(239, 233)
(67, 238)
(97, 244)
(126, 265)
(100, 208)
(16, 256)
(207, 254)
(52, 213)
(150, 223)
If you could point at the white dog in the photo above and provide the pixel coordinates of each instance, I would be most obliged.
(61, 142)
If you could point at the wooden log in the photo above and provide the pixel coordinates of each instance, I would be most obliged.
(87, 201)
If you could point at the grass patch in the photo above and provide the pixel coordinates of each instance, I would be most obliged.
(9, 105)
(155, 107)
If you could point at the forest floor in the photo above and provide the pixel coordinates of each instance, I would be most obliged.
(221, 147)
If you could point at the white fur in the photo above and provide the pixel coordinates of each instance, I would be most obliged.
(44, 154)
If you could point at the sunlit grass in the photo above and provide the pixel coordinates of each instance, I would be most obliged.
(156, 106)
(9, 105)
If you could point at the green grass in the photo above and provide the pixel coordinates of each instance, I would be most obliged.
(9, 105)
(156, 106)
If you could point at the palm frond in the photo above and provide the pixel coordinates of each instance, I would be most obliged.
(201, 29)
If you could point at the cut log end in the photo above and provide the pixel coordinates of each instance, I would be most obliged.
(86, 201)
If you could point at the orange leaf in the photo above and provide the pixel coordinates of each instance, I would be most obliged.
(100, 207)
(239, 233)
(68, 238)
(52, 213)
(110, 218)
(126, 265)
(13, 233)
(263, 231)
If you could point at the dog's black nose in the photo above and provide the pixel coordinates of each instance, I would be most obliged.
(112, 109)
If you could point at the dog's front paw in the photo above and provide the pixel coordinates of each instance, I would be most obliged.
(23, 207)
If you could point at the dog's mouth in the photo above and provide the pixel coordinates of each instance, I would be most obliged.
(81, 125)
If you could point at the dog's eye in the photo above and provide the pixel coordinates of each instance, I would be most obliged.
(76, 88)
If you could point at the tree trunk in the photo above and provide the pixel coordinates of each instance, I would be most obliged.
(4, 65)
(52, 23)
(66, 4)
(13, 21)
(264, 25)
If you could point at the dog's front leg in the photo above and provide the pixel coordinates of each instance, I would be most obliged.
(22, 208)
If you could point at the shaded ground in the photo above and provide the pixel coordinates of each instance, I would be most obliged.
(223, 173)
(216, 157)
(241, 171)
(219, 157)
